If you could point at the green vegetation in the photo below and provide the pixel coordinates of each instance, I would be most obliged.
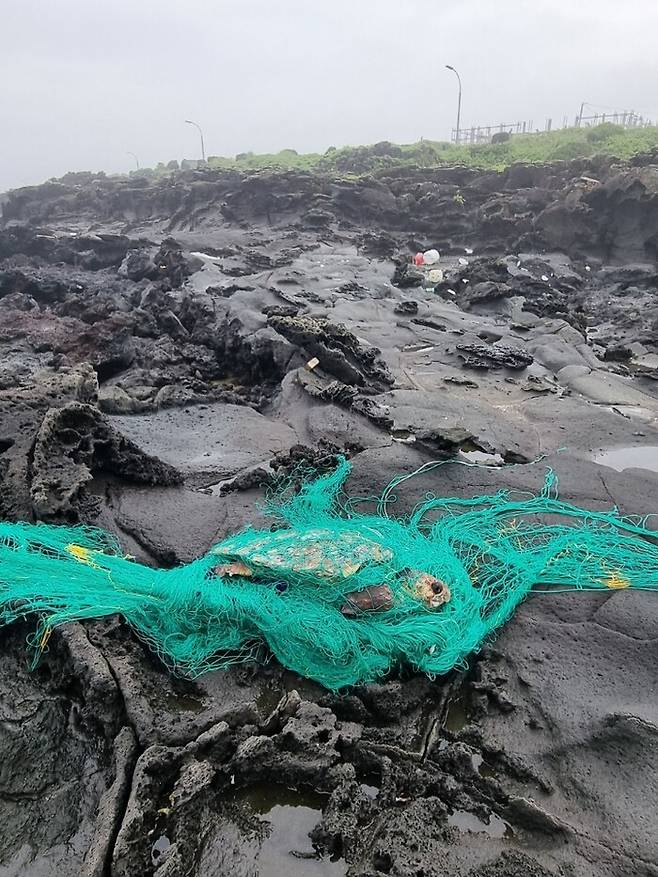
(566, 144)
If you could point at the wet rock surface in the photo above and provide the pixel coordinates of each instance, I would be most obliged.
(167, 348)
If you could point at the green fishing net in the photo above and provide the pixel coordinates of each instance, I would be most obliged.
(335, 594)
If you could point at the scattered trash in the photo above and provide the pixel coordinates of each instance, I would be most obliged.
(587, 268)
(463, 261)
(451, 292)
(544, 277)
(468, 251)
(312, 363)
(465, 280)
(420, 272)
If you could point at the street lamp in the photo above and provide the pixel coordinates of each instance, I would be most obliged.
(459, 102)
(135, 157)
(198, 127)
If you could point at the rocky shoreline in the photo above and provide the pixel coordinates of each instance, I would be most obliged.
(156, 337)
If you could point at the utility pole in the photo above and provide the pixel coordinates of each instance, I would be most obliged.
(580, 114)
(135, 157)
(198, 127)
(459, 102)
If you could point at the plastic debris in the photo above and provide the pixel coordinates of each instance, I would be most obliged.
(463, 261)
(435, 276)
(312, 363)
(545, 278)
(431, 257)
(419, 260)
(468, 251)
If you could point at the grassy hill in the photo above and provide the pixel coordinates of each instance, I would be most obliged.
(566, 144)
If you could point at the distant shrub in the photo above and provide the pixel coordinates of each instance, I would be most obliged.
(491, 153)
(603, 132)
(385, 147)
(569, 150)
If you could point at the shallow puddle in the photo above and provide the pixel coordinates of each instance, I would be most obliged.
(493, 826)
(425, 722)
(268, 698)
(481, 766)
(280, 846)
(183, 703)
(457, 715)
(640, 457)
(159, 848)
(262, 798)
(271, 691)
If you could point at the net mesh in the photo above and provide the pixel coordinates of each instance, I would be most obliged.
(335, 594)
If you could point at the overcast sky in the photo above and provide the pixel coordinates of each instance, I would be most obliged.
(84, 81)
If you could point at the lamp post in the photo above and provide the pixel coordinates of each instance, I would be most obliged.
(198, 127)
(459, 102)
(135, 157)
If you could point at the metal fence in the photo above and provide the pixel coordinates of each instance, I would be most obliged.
(628, 119)
(503, 131)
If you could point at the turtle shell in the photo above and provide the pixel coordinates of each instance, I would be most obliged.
(320, 553)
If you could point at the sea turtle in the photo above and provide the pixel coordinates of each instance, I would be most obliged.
(327, 555)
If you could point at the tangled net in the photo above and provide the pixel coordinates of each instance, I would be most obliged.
(338, 596)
